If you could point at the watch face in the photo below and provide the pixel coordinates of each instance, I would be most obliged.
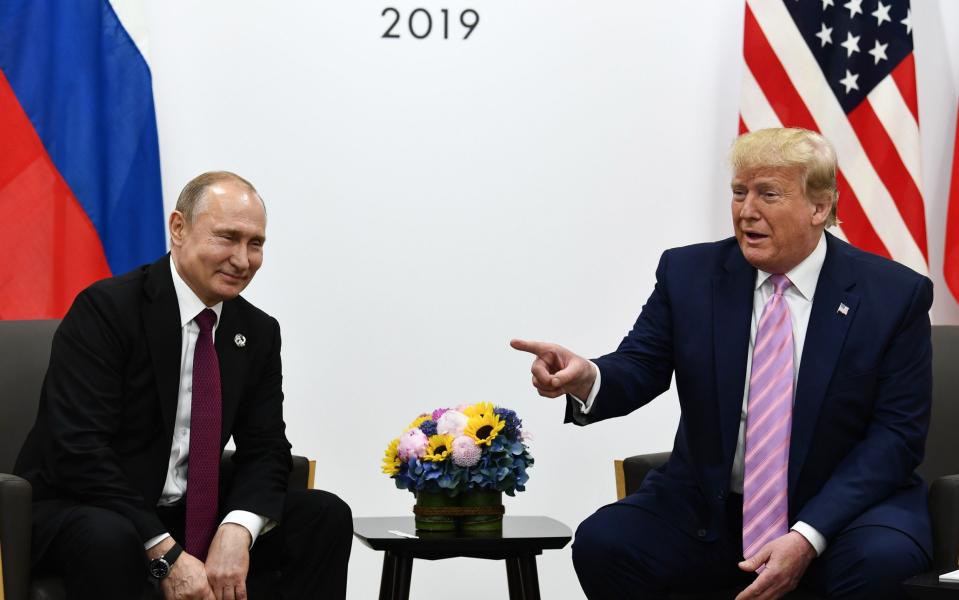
(159, 568)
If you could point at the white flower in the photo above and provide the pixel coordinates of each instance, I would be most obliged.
(452, 423)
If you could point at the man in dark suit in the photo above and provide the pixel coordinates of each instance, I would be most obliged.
(150, 375)
(804, 378)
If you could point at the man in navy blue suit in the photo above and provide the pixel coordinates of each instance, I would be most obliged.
(803, 369)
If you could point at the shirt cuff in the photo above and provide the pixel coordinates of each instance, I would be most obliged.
(815, 538)
(155, 540)
(587, 405)
(253, 522)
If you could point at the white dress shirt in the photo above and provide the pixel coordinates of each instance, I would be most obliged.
(799, 297)
(175, 487)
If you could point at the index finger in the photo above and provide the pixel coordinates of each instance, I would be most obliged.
(757, 588)
(537, 348)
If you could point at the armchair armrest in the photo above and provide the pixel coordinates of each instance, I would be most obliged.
(16, 518)
(944, 510)
(631, 472)
(301, 475)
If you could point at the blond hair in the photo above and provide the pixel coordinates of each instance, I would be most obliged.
(190, 201)
(792, 147)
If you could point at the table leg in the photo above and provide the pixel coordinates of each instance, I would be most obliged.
(386, 579)
(395, 580)
(530, 576)
(404, 573)
(514, 580)
(521, 577)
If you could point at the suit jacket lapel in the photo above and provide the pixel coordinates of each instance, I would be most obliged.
(732, 310)
(825, 336)
(232, 359)
(161, 322)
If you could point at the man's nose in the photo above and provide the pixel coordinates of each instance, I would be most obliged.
(240, 257)
(748, 208)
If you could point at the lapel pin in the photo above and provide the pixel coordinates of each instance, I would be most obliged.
(843, 309)
(240, 340)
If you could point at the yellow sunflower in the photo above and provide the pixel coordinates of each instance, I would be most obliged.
(479, 409)
(391, 459)
(484, 429)
(439, 447)
(418, 421)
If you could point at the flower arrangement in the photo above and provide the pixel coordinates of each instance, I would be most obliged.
(451, 451)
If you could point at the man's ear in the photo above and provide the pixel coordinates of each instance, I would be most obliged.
(820, 211)
(178, 228)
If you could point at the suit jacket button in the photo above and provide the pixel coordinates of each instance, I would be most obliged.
(701, 533)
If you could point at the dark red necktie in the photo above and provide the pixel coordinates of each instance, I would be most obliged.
(203, 475)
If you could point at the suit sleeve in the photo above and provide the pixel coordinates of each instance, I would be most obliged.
(83, 393)
(262, 458)
(641, 368)
(893, 445)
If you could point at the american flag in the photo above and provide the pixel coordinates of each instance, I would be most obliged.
(846, 69)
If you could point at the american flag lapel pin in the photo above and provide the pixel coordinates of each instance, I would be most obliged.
(843, 309)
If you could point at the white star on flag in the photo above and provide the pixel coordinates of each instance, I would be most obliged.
(854, 6)
(882, 14)
(908, 21)
(825, 34)
(849, 81)
(851, 44)
(826, 3)
(879, 52)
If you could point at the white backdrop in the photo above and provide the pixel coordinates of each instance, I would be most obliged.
(430, 199)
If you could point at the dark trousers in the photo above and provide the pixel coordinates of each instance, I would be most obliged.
(623, 551)
(99, 554)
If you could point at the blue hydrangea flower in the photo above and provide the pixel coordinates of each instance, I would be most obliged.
(513, 422)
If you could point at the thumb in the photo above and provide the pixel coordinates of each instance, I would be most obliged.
(563, 377)
(756, 561)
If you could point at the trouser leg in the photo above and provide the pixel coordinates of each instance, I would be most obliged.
(310, 547)
(98, 553)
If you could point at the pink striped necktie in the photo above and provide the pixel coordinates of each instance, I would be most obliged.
(768, 425)
(203, 464)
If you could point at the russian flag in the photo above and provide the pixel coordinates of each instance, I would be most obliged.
(80, 195)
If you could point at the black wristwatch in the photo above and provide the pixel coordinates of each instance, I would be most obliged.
(160, 567)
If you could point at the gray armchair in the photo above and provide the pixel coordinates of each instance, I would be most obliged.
(940, 467)
(24, 354)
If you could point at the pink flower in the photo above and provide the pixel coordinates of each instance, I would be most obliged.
(439, 413)
(452, 422)
(412, 443)
(465, 451)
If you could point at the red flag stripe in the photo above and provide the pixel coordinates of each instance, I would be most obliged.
(951, 258)
(852, 218)
(772, 77)
(905, 77)
(882, 154)
(792, 112)
(52, 250)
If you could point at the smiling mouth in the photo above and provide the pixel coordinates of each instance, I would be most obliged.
(231, 276)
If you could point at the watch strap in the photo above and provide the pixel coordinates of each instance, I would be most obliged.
(172, 554)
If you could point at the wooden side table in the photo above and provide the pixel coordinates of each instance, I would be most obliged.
(522, 539)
